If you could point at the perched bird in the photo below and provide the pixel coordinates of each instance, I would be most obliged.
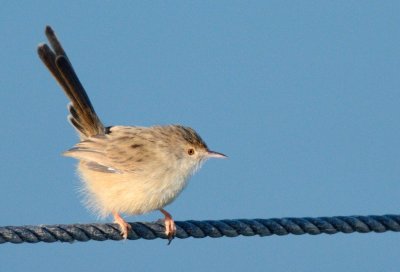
(125, 169)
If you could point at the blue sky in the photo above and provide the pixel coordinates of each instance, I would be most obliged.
(303, 96)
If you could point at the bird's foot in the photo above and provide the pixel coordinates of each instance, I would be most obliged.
(123, 225)
(170, 227)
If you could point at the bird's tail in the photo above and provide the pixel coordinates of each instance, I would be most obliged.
(82, 114)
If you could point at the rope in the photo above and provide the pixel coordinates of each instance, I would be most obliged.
(201, 229)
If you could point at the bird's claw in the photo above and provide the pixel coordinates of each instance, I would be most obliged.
(170, 227)
(124, 226)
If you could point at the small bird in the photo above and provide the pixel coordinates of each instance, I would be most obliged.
(128, 170)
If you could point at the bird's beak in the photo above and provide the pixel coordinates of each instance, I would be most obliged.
(217, 155)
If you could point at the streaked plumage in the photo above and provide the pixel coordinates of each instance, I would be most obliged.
(125, 169)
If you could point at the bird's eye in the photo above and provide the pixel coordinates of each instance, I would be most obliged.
(190, 151)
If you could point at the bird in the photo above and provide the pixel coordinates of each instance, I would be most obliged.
(126, 170)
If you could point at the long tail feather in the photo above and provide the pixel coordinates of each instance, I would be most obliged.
(82, 114)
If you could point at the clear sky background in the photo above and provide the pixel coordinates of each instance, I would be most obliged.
(304, 97)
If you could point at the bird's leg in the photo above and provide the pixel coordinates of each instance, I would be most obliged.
(170, 228)
(123, 225)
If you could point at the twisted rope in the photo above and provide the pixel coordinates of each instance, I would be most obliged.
(201, 229)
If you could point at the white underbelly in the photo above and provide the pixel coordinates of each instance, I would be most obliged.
(128, 193)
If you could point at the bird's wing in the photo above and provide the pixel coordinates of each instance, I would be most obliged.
(116, 152)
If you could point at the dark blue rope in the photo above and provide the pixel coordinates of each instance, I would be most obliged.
(201, 229)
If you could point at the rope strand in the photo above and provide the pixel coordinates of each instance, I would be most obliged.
(202, 229)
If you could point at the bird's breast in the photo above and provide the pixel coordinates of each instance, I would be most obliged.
(132, 192)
